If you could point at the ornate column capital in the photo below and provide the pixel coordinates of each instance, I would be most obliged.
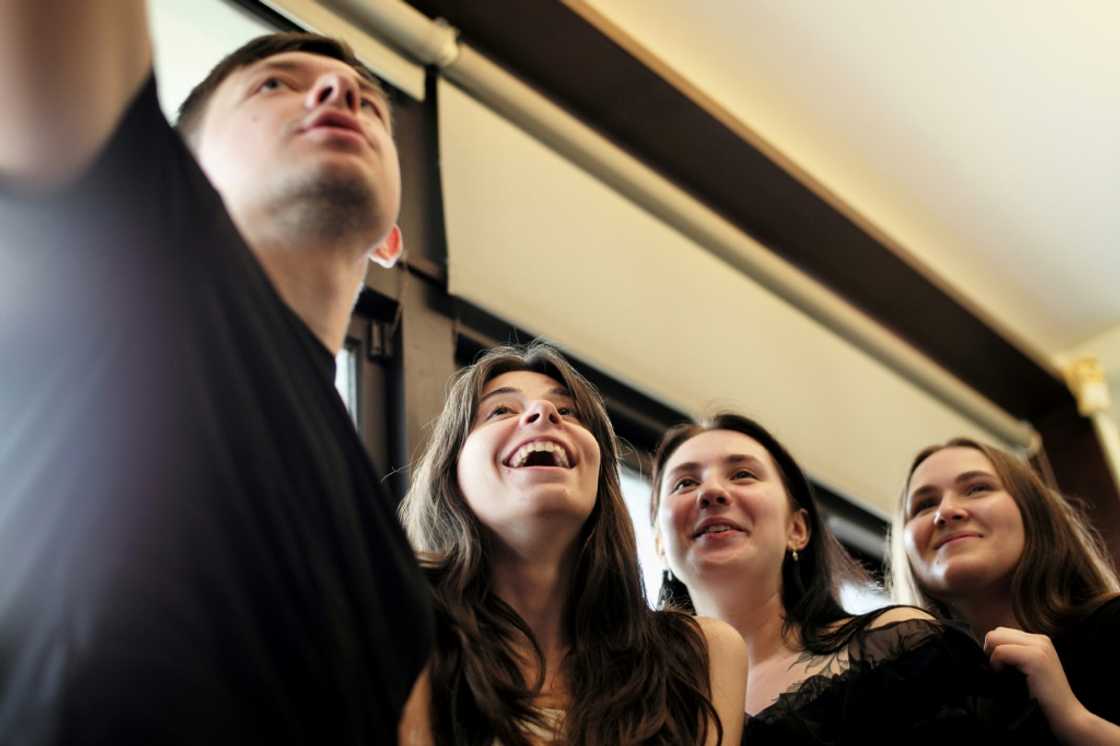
(1085, 378)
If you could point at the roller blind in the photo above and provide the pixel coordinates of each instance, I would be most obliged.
(539, 242)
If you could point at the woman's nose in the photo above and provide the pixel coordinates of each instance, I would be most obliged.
(712, 493)
(541, 412)
(949, 511)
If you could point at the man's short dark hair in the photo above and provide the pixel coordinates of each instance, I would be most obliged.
(194, 107)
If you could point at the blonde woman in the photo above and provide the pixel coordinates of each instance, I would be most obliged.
(979, 538)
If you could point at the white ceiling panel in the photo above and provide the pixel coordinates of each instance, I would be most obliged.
(981, 135)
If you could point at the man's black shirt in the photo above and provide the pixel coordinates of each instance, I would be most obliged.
(194, 545)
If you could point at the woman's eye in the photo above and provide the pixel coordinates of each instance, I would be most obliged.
(499, 410)
(568, 412)
(920, 506)
(683, 484)
(743, 474)
(370, 105)
(978, 488)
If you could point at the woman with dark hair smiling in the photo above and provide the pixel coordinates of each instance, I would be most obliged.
(744, 541)
(979, 538)
(543, 631)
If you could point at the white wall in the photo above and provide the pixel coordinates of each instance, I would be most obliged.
(190, 37)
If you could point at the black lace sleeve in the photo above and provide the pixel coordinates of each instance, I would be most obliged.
(911, 682)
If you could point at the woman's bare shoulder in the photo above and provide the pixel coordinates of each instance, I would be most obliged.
(719, 633)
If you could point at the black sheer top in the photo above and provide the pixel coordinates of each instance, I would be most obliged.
(1090, 653)
(910, 682)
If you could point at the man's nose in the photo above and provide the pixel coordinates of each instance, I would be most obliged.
(334, 89)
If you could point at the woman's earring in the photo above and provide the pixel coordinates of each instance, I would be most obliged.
(794, 555)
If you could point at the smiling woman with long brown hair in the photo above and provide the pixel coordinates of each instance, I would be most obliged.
(543, 630)
(981, 539)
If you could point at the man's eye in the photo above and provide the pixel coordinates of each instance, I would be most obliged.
(272, 84)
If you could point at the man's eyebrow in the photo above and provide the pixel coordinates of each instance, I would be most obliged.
(293, 66)
(270, 63)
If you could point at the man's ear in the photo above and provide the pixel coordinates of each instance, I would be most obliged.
(799, 529)
(389, 251)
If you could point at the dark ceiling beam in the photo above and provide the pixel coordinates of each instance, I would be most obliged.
(593, 70)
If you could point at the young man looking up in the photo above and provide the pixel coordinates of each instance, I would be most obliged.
(194, 547)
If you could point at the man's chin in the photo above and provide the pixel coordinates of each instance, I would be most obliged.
(334, 201)
(340, 172)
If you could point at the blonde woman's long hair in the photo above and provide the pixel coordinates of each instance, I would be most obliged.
(1064, 572)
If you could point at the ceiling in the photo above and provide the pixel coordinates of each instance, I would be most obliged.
(981, 136)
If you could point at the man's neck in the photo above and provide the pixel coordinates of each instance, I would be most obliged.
(320, 286)
(316, 266)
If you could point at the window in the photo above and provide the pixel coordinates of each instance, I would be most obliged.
(858, 599)
(636, 492)
(346, 377)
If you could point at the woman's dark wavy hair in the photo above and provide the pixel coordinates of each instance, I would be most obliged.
(634, 675)
(1064, 572)
(811, 585)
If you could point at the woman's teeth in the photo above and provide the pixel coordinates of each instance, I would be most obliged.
(559, 456)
